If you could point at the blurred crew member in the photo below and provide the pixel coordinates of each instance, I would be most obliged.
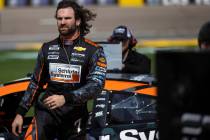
(204, 36)
(133, 62)
(74, 70)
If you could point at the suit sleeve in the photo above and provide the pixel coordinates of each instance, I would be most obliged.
(95, 80)
(35, 86)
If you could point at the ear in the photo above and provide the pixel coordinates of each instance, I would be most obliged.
(78, 21)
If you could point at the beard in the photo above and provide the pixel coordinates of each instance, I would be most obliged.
(67, 30)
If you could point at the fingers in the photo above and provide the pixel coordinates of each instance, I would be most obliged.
(14, 130)
(54, 101)
(53, 106)
(19, 129)
(17, 125)
(49, 101)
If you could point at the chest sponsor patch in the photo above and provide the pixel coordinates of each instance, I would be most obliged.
(52, 56)
(65, 73)
(77, 60)
(54, 47)
(53, 53)
(78, 55)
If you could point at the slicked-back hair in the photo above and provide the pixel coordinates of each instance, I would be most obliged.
(80, 12)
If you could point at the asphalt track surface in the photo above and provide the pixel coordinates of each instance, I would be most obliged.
(38, 24)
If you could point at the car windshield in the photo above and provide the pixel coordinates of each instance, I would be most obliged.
(132, 107)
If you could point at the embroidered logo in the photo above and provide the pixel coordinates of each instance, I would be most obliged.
(53, 57)
(54, 47)
(79, 48)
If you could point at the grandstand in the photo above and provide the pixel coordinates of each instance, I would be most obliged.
(32, 20)
(28, 25)
(17, 3)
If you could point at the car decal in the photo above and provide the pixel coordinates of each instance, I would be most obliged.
(31, 133)
(120, 85)
(145, 89)
(142, 88)
(149, 91)
(12, 88)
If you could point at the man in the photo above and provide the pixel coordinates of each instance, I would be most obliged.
(133, 62)
(73, 70)
(204, 36)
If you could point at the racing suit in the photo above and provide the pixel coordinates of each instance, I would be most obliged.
(74, 69)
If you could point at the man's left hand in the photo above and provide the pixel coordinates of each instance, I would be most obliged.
(54, 101)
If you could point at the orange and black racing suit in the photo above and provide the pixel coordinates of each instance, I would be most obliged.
(76, 70)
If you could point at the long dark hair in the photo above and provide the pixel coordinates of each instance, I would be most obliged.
(81, 13)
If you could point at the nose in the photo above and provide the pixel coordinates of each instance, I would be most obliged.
(63, 21)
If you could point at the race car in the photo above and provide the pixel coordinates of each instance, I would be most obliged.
(125, 109)
(10, 96)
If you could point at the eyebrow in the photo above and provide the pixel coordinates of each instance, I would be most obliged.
(67, 17)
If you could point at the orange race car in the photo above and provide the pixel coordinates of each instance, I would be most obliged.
(126, 108)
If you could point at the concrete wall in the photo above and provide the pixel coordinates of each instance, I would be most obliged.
(38, 24)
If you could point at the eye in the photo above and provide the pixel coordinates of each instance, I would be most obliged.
(59, 18)
(67, 18)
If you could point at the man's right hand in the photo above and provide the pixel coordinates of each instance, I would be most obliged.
(17, 125)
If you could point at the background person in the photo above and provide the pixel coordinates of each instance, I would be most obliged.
(133, 62)
(204, 36)
(74, 70)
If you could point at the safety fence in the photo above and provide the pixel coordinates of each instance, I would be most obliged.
(121, 3)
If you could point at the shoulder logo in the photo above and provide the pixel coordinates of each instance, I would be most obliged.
(102, 59)
(79, 48)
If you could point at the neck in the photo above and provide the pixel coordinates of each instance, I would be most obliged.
(71, 37)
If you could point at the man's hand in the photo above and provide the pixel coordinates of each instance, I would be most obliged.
(17, 125)
(54, 101)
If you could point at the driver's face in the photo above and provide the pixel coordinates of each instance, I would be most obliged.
(66, 22)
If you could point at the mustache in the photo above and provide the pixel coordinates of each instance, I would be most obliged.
(62, 26)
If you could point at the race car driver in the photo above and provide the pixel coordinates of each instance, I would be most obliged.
(74, 70)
